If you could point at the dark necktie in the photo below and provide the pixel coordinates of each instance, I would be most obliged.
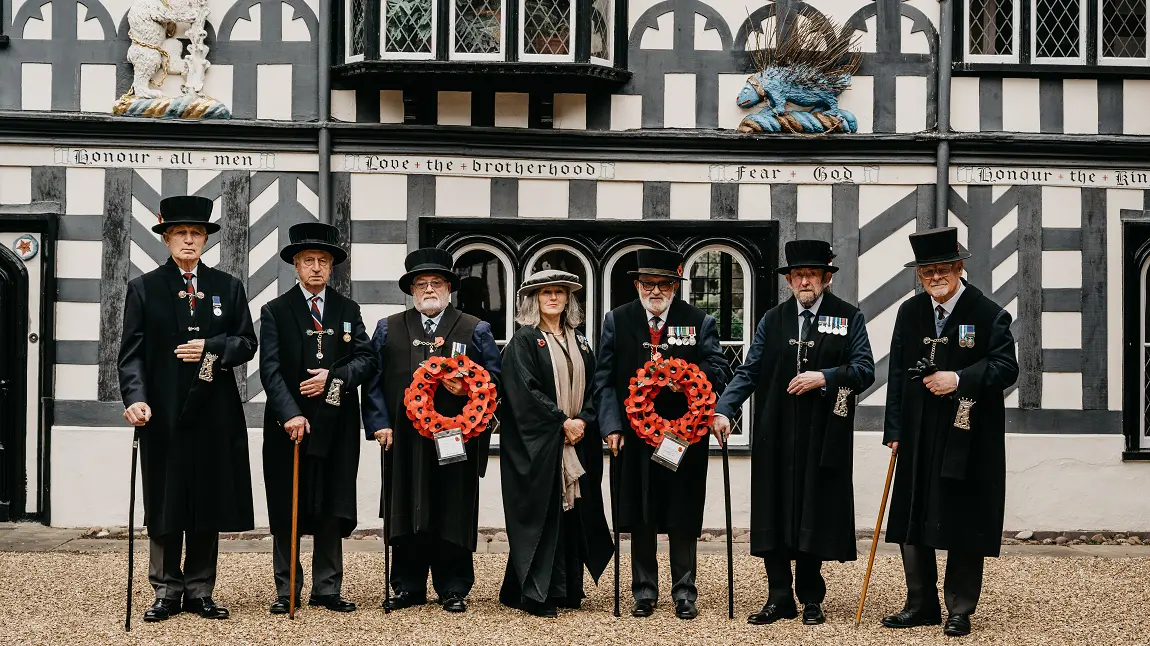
(315, 315)
(940, 321)
(191, 293)
(807, 316)
(656, 334)
(429, 327)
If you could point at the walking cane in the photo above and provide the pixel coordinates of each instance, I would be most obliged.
(294, 530)
(730, 540)
(615, 526)
(874, 541)
(132, 529)
(386, 539)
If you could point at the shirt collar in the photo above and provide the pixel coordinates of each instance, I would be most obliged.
(951, 302)
(195, 272)
(662, 317)
(307, 296)
(423, 318)
(814, 308)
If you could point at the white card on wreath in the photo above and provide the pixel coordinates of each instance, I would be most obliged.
(449, 446)
(670, 451)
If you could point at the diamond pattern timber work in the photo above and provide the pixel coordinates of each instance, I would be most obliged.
(547, 27)
(1124, 28)
(1058, 28)
(991, 27)
(478, 26)
(408, 26)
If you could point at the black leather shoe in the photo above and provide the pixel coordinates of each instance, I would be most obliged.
(685, 609)
(455, 603)
(206, 608)
(547, 609)
(957, 626)
(813, 614)
(279, 606)
(332, 602)
(910, 619)
(162, 609)
(643, 608)
(401, 600)
(773, 612)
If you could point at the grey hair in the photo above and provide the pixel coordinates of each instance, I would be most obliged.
(528, 313)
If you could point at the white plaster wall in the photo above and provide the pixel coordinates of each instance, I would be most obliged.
(1054, 482)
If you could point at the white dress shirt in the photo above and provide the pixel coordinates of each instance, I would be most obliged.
(308, 296)
(423, 319)
(195, 272)
(813, 309)
(948, 306)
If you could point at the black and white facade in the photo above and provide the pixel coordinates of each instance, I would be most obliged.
(520, 134)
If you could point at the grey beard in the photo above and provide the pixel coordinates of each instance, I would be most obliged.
(428, 310)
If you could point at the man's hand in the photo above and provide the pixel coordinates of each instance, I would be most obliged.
(893, 446)
(296, 427)
(615, 442)
(138, 414)
(941, 383)
(721, 428)
(573, 430)
(191, 351)
(383, 436)
(454, 386)
(314, 387)
(806, 381)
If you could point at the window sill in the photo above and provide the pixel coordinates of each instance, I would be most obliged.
(1031, 70)
(470, 75)
(1136, 456)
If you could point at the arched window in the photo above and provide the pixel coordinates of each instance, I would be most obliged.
(1144, 364)
(619, 285)
(485, 287)
(719, 283)
(569, 259)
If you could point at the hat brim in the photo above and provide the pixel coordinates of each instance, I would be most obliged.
(530, 289)
(406, 280)
(289, 252)
(656, 272)
(954, 257)
(787, 269)
(210, 227)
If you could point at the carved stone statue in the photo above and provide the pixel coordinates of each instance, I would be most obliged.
(150, 23)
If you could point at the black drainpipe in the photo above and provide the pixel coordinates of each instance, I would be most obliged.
(324, 73)
(942, 164)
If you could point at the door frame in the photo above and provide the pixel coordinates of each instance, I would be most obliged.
(42, 219)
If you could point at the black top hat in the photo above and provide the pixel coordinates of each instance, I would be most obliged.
(659, 262)
(936, 246)
(428, 261)
(313, 235)
(185, 209)
(816, 254)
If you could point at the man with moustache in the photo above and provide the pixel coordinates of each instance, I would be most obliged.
(653, 499)
(432, 509)
(812, 356)
(951, 358)
(314, 355)
(186, 326)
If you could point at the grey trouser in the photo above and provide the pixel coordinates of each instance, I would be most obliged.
(197, 579)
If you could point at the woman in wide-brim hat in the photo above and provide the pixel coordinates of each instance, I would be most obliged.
(550, 452)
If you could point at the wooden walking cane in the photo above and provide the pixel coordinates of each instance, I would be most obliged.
(386, 539)
(132, 529)
(615, 526)
(874, 541)
(730, 539)
(294, 530)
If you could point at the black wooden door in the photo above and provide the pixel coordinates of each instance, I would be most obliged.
(13, 383)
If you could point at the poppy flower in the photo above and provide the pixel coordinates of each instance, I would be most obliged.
(542, 343)
(662, 377)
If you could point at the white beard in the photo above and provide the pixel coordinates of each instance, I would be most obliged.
(655, 310)
(430, 307)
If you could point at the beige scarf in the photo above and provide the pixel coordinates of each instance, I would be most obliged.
(570, 382)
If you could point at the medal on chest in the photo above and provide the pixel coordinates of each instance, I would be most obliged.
(833, 325)
(216, 309)
(680, 335)
(347, 332)
(966, 336)
(458, 349)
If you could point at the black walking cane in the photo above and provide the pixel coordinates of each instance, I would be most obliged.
(386, 539)
(615, 526)
(730, 540)
(132, 529)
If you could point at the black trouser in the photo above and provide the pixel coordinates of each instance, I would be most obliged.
(645, 565)
(808, 579)
(962, 586)
(326, 561)
(452, 571)
(197, 579)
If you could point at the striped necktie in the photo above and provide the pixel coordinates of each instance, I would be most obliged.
(191, 293)
(315, 315)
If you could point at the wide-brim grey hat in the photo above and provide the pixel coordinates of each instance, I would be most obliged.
(546, 277)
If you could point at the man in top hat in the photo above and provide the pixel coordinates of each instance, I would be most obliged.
(186, 326)
(951, 358)
(314, 355)
(813, 358)
(432, 509)
(653, 499)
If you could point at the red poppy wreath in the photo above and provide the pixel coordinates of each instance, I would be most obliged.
(646, 385)
(419, 397)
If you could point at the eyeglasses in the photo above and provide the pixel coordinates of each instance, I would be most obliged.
(663, 286)
(320, 261)
(936, 270)
(424, 284)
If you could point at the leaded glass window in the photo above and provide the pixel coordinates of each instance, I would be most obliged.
(601, 11)
(992, 29)
(1122, 28)
(1058, 30)
(547, 27)
(478, 26)
(409, 26)
(356, 23)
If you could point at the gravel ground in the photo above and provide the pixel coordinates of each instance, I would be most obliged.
(56, 598)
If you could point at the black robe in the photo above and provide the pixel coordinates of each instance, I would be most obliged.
(802, 492)
(194, 451)
(950, 483)
(531, 441)
(329, 455)
(419, 495)
(651, 494)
